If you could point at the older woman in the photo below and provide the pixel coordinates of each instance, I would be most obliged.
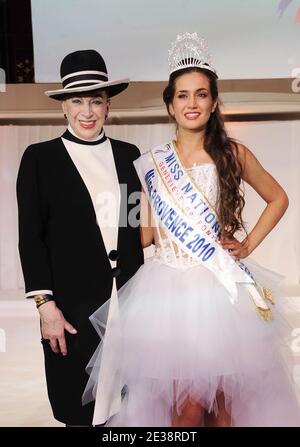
(70, 250)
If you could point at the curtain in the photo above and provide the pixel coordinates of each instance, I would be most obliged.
(275, 143)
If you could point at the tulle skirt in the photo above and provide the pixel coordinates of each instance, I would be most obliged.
(182, 340)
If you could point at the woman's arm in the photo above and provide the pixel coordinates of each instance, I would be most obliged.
(147, 230)
(270, 191)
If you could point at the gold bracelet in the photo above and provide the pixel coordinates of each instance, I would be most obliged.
(42, 299)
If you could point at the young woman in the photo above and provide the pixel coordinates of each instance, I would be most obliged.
(195, 340)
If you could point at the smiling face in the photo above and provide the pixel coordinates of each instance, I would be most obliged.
(86, 114)
(192, 103)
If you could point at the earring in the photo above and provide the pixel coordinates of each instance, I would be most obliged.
(65, 116)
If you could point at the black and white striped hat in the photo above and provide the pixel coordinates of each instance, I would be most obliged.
(84, 71)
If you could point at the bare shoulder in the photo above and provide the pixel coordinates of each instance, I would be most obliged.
(258, 177)
(247, 160)
(243, 154)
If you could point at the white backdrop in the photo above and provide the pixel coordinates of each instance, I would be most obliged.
(276, 144)
(134, 35)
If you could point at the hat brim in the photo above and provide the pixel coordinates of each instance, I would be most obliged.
(113, 88)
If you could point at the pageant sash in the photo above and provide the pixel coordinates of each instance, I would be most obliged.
(191, 222)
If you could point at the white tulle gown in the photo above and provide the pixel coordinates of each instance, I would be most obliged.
(182, 339)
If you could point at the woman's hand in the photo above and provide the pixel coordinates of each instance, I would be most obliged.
(53, 326)
(237, 249)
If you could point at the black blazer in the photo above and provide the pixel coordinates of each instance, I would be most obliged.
(61, 249)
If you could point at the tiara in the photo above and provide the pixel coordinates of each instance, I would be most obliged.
(189, 50)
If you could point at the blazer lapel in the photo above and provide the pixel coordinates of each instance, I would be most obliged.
(120, 163)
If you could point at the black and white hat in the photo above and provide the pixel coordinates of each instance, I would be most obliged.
(84, 71)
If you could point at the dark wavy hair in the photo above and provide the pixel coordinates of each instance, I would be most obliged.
(223, 150)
